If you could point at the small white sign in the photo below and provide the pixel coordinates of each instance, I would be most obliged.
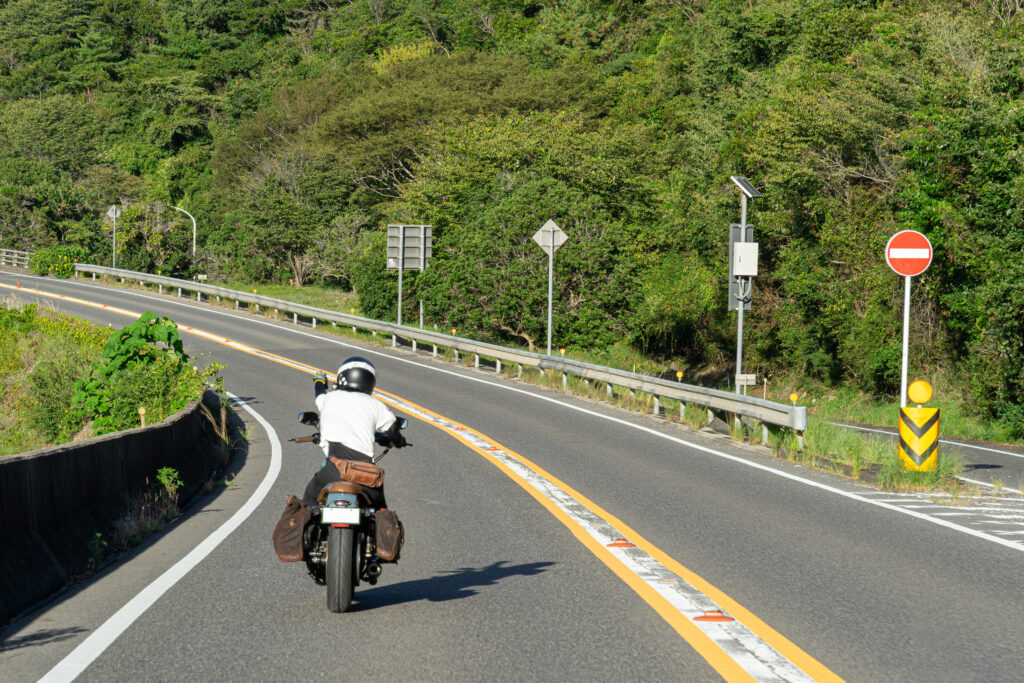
(550, 237)
(746, 380)
(113, 212)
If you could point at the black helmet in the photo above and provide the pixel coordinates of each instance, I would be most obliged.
(357, 374)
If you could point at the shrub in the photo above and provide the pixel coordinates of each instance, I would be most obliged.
(58, 260)
(143, 364)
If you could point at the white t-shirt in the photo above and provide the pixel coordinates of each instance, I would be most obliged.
(351, 418)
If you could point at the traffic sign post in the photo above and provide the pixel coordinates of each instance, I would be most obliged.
(908, 253)
(409, 247)
(112, 213)
(550, 237)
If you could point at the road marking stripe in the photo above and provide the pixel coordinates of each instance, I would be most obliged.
(99, 640)
(731, 648)
(949, 441)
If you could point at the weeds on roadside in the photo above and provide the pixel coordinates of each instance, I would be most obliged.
(149, 510)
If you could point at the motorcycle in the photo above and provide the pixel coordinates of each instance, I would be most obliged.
(340, 541)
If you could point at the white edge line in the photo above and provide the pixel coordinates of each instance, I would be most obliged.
(711, 451)
(991, 486)
(92, 647)
(952, 443)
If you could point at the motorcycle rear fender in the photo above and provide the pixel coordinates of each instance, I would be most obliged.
(343, 487)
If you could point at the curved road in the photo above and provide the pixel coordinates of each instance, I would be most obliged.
(511, 497)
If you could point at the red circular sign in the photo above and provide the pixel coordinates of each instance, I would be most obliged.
(908, 253)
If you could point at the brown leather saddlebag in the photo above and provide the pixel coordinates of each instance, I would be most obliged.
(358, 472)
(390, 535)
(287, 534)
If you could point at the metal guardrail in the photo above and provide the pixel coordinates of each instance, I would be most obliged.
(767, 412)
(13, 257)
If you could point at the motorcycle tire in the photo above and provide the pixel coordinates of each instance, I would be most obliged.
(341, 568)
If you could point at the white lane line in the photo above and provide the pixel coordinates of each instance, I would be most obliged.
(736, 459)
(953, 443)
(100, 639)
(990, 485)
(759, 659)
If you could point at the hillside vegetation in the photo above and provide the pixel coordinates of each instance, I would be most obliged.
(295, 130)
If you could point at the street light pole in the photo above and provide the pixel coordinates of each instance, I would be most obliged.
(178, 208)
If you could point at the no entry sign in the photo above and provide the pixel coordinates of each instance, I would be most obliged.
(909, 253)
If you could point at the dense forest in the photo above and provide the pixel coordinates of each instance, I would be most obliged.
(295, 130)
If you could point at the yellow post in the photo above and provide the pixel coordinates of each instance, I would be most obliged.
(918, 447)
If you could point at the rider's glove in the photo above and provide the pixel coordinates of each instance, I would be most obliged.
(320, 377)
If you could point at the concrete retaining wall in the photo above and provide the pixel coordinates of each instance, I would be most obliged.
(53, 501)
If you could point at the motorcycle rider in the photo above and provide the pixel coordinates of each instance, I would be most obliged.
(349, 417)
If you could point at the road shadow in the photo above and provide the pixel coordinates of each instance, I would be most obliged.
(450, 585)
(971, 468)
(53, 635)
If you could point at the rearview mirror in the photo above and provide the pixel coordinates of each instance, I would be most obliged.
(403, 423)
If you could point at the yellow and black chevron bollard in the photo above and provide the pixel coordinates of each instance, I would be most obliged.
(919, 432)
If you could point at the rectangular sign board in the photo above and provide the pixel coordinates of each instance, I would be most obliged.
(417, 249)
(746, 380)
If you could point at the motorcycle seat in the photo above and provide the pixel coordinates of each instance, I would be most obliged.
(343, 487)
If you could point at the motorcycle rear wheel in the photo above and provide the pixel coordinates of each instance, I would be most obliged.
(341, 568)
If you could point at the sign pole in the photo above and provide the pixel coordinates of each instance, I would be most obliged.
(113, 254)
(551, 273)
(550, 238)
(906, 341)
(908, 253)
(739, 280)
(401, 267)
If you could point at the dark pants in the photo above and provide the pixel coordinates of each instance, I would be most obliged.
(329, 474)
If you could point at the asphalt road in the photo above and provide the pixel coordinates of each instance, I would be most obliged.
(495, 584)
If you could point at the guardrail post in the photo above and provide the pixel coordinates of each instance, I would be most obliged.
(237, 305)
(611, 392)
(394, 340)
(565, 380)
(657, 406)
(764, 434)
(497, 366)
(160, 289)
(179, 291)
(800, 442)
(94, 277)
(519, 375)
(435, 350)
(711, 416)
(456, 355)
(414, 345)
(295, 317)
(314, 323)
(476, 360)
(199, 296)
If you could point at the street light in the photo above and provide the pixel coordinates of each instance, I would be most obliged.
(743, 265)
(178, 208)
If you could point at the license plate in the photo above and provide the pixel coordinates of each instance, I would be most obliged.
(340, 515)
